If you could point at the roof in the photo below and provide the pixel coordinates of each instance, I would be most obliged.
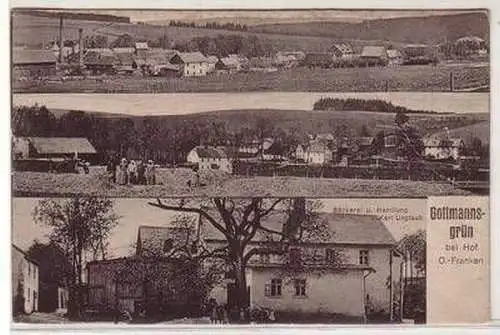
(210, 152)
(365, 140)
(192, 57)
(124, 50)
(62, 145)
(318, 147)
(344, 228)
(212, 59)
(342, 48)
(100, 56)
(373, 51)
(141, 45)
(156, 57)
(150, 239)
(27, 56)
(474, 39)
(439, 142)
(230, 62)
(26, 256)
(393, 53)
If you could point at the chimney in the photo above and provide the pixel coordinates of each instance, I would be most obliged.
(60, 38)
(80, 48)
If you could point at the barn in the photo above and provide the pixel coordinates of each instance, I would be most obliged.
(33, 63)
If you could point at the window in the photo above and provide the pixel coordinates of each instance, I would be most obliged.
(295, 256)
(167, 245)
(300, 287)
(363, 257)
(265, 258)
(390, 141)
(330, 255)
(274, 288)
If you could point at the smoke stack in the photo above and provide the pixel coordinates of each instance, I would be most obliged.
(80, 48)
(60, 38)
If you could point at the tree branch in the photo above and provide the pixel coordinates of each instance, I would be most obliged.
(192, 210)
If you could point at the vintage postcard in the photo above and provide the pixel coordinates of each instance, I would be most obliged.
(199, 168)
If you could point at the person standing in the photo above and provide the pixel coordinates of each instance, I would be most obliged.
(132, 172)
(140, 173)
(121, 172)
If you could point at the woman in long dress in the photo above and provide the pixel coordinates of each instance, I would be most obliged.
(121, 172)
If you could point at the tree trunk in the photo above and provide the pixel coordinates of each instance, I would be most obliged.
(240, 282)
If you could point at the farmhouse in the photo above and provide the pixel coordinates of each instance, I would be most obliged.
(318, 153)
(394, 57)
(358, 283)
(255, 147)
(25, 282)
(373, 55)
(210, 158)
(262, 64)
(212, 60)
(471, 45)
(156, 62)
(317, 59)
(342, 50)
(228, 65)
(100, 60)
(192, 64)
(32, 63)
(442, 148)
(52, 148)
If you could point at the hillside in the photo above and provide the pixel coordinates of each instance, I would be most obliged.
(36, 30)
(479, 130)
(300, 122)
(403, 30)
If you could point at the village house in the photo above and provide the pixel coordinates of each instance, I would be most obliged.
(471, 45)
(359, 283)
(31, 64)
(210, 158)
(443, 148)
(192, 64)
(228, 65)
(100, 60)
(342, 51)
(212, 60)
(318, 153)
(373, 56)
(156, 62)
(262, 64)
(52, 148)
(318, 59)
(25, 282)
(141, 49)
(255, 147)
(285, 60)
(394, 57)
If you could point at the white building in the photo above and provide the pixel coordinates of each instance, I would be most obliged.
(193, 64)
(25, 282)
(439, 148)
(357, 284)
(210, 158)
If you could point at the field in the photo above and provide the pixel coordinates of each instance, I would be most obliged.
(173, 183)
(404, 78)
(32, 31)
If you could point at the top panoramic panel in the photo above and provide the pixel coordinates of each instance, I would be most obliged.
(172, 51)
(318, 103)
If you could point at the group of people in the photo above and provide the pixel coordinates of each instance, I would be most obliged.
(131, 172)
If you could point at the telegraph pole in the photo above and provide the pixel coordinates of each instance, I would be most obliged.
(80, 48)
(60, 38)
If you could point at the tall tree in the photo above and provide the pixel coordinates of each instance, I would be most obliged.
(79, 226)
(54, 271)
(242, 221)
(33, 121)
(75, 124)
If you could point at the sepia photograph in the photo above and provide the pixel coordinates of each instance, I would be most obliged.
(403, 144)
(218, 261)
(173, 51)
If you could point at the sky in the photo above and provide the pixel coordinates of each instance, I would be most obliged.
(274, 16)
(136, 212)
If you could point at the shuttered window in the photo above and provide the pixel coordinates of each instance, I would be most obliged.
(273, 288)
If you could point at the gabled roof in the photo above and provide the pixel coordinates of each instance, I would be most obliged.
(373, 51)
(473, 39)
(210, 152)
(212, 59)
(27, 56)
(62, 145)
(151, 239)
(192, 57)
(344, 229)
(230, 62)
(26, 256)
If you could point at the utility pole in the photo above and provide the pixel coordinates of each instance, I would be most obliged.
(80, 49)
(60, 38)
